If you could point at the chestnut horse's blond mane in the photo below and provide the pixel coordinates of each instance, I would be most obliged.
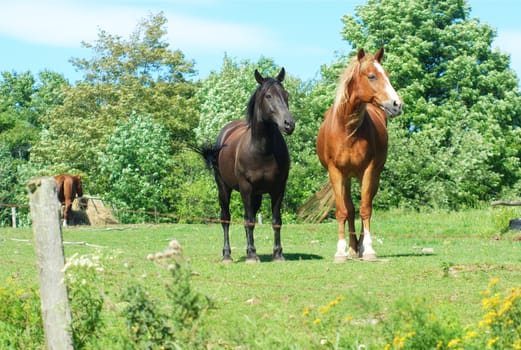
(340, 106)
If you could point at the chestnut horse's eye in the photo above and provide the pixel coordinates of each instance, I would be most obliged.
(371, 76)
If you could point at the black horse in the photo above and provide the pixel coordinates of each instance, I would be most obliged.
(251, 156)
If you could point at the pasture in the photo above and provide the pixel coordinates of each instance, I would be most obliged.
(441, 260)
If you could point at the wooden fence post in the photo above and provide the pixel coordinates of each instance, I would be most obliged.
(13, 216)
(48, 245)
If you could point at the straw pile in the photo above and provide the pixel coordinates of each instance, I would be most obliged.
(91, 211)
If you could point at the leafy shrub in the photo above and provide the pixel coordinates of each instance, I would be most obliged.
(84, 276)
(21, 324)
(417, 326)
(150, 326)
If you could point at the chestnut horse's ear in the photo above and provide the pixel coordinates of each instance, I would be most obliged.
(361, 54)
(281, 75)
(258, 77)
(379, 55)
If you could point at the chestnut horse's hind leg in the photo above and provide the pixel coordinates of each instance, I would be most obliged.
(66, 211)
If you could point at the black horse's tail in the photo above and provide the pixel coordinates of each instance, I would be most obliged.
(210, 154)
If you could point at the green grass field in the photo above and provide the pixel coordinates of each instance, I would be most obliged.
(264, 305)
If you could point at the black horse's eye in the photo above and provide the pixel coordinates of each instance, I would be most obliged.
(371, 76)
(268, 95)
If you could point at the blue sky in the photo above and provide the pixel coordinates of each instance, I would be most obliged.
(300, 35)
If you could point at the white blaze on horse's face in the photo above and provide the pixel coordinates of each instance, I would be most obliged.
(393, 104)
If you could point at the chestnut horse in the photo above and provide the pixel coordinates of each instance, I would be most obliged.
(67, 187)
(352, 142)
(251, 156)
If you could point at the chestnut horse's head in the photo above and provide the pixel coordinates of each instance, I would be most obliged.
(270, 102)
(370, 84)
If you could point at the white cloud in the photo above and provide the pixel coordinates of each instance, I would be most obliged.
(193, 34)
(68, 23)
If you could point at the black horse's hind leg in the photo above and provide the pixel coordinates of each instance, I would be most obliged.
(251, 206)
(224, 202)
(276, 223)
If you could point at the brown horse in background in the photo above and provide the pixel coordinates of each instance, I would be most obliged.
(251, 156)
(67, 187)
(352, 142)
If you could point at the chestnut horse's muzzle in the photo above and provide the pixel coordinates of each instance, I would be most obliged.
(394, 108)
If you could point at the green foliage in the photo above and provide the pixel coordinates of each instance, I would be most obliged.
(142, 76)
(456, 144)
(20, 321)
(7, 180)
(84, 284)
(146, 326)
(136, 162)
(149, 326)
(417, 326)
(462, 102)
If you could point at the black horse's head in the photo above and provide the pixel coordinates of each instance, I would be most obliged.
(270, 103)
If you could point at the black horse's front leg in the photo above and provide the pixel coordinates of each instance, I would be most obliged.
(251, 206)
(276, 223)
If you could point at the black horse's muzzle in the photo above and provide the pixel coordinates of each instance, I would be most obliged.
(289, 126)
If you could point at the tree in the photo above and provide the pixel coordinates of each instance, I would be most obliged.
(141, 75)
(136, 162)
(456, 142)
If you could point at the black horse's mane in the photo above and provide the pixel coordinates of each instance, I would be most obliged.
(259, 92)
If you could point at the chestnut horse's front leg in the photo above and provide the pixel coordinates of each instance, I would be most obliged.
(368, 189)
(344, 211)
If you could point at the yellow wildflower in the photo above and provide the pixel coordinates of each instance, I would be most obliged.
(453, 342)
(323, 310)
(471, 334)
(411, 334)
(316, 321)
(492, 341)
(399, 342)
(493, 282)
(306, 312)
(332, 303)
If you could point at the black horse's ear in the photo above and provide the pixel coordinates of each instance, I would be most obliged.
(258, 77)
(281, 75)
(379, 55)
(361, 54)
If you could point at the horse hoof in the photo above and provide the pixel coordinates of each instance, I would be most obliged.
(340, 259)
(369, 257)
(227, 260)
(352, 254)
(279, 258)
(253, 260)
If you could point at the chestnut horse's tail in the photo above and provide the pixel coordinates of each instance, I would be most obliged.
(318, 207)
